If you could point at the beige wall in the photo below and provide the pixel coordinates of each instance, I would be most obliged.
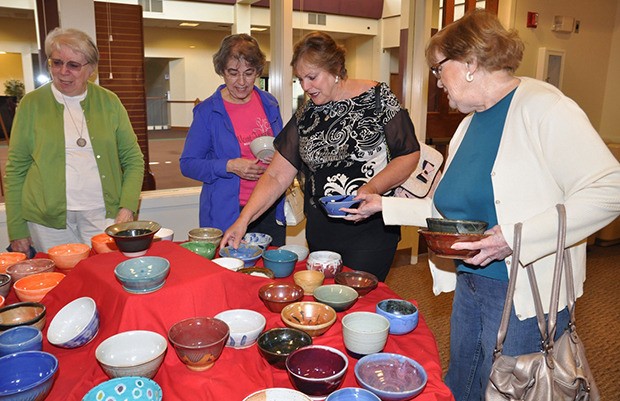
(11, 68)
(610, 121)
(588, 60)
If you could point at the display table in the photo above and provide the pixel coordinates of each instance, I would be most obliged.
(198, 287)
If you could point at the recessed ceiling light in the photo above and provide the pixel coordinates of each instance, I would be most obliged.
(191, 24)
(258, 29)
(192, 47)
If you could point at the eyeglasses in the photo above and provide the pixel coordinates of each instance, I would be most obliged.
(234, 74)
(72, 66)
(436, 69)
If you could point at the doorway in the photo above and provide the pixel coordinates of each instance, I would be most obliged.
(157, 87)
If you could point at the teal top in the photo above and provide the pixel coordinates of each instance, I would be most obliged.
(35, 187)
(466, 190)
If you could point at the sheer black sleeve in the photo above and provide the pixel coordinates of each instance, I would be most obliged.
(400, 135)
(287, 143)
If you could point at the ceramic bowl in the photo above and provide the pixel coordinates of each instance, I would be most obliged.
(204, 249)
(34, 287)
(333, 203)
(140, 388)
(339, 297)
(277, 344)
(276, 296)
(103, 243)
(132, 353)
(66, 256)
(19, 339)
(309, 280)
(199, 341)
(441, 244)
(23, 314)
(316, 370)
(164, 234)
(277, 394)
(133, 238)
(5, 284)
(262, 148)
(28, 267)
(206, 234)
(327, 262)
(456, 226)
(8, 258)
(31, 377)
(362, 282)
(233, 264)
(301, 251)
(75, 325)
(392, 377)
(352, 394)
(280, 261)
(245, 326)
(364, 333)
(143, 274)
(403, 315)
(257, 271)
(246, 252)
(312, 317)
(261, 239)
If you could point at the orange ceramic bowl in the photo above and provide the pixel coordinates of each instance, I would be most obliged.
(66, 256)
(8, 258)
(103, 243)
(34, 287)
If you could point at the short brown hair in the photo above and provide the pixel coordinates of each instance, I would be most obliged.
(478, 35)
(320, 50)
(240, 47)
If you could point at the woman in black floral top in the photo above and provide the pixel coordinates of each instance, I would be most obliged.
(341, 139)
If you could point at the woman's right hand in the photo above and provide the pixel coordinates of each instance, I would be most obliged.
(371, 204)
(21, 245)
(234, 235)
(247, 169)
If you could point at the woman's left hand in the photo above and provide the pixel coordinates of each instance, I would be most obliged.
(494, 247)
(123, 215)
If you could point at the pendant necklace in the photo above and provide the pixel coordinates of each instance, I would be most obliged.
(81, 142)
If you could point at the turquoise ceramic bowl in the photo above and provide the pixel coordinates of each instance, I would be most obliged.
(143, 274)
(280, 261)
(205, 249)
(246, 252)
(123, 388)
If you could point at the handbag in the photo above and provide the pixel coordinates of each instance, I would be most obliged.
(560, 371)
(294, 204)
(424, 178)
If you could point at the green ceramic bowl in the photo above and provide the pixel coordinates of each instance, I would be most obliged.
(205, 249)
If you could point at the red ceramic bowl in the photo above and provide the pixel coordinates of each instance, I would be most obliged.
(66, 256)
(29, 267)
(362, 282)
(317, 370)
(199, 341)
(276, 296)
(34, 287)
(440, 243)
(8, 258)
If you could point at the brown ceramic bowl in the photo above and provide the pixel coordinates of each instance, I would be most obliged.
(440, 244)
(276, 296)
(30, 266)
(257, 271)
(314, 318)
(5, 284)
(362, 282)
(23, 314)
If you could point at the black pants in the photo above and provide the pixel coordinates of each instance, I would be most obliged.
(267, 224)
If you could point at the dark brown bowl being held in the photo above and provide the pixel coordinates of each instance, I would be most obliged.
(441, 244)
(133, 238)
(456, 226)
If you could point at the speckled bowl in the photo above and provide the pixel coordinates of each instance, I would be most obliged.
(140, 388)
(142, 275)
(206, 234)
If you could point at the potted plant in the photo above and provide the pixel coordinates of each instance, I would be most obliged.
(14, 87)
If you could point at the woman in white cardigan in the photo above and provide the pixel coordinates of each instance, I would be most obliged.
(523, 148)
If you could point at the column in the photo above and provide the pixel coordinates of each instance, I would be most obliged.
(280, 72)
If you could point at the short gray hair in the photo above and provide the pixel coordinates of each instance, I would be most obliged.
(74, 39)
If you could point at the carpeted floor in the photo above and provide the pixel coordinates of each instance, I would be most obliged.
(598, 315)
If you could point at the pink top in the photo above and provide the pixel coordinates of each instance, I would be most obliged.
(247, 129)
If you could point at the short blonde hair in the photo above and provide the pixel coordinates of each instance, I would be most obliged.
(74, 39)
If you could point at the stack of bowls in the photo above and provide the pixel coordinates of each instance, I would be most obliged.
(66, 256)
(133, 238)
(132, 353)
(28, 267)
(23, 314)
(75, 325)
(34, 287)
(199, 341)
(27, 375)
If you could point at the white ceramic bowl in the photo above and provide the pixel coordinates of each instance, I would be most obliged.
(233, 264)
(364, 333)
(277, 394)
(328, 262)
(132, 353)
(76, 324)
(245, 326)
(165, 234)
(301, 251)
(262, 147)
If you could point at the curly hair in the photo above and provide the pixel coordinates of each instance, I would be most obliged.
(321, 50)
(239, 47)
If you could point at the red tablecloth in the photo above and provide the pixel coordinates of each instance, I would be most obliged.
(198, 287)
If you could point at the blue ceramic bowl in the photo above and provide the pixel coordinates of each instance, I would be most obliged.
(403, 315)
(122, 388)
(260, 239)
(27, 375)
(246, 252)
(333, 203)
(392, 377)
(280, 261)
(143, 274)
(352, 394)
(18, 339)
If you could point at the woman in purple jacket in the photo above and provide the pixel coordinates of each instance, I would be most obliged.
(217, 149)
